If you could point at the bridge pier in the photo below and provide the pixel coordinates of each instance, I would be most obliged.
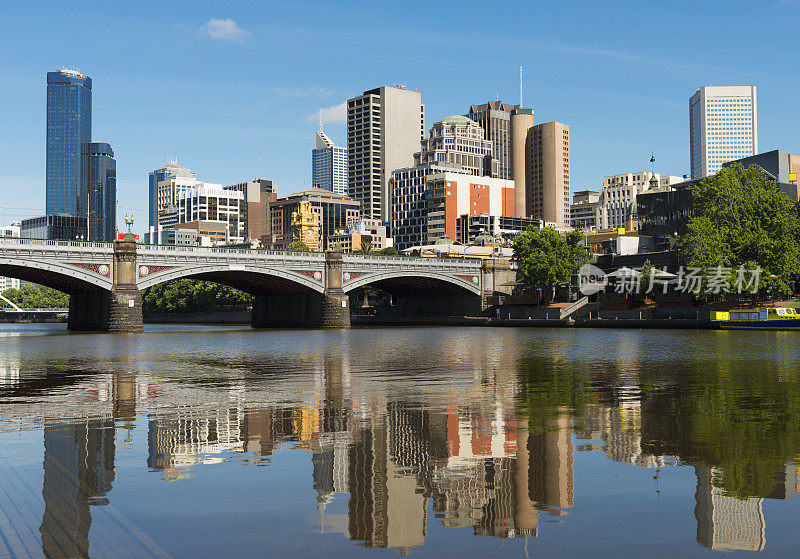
(117, 311)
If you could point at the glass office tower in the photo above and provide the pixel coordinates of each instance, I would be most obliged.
(101, 191)
(69, 128)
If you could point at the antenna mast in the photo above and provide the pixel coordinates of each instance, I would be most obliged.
(320, 120)
(520, 87)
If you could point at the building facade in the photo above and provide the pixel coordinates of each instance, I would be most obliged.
(352, 238)
(101, 192)
(458, 142)
(521, 154)
(60, 227)
(409, 207)
(620, 192)
(329, 165)
(723, 125)
(334, 212)
(9, 232)
(206, 205)
(501, 228)
(495, 119)
(584, 209)
(450, 195)
(258, 195)
(384, 128)
(548, 199)
(69, 130)
(169, 171)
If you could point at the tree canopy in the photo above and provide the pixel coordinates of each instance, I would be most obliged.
(189, 295)
(742, 219)
(32, 296)
(298, 246)
(546, 258)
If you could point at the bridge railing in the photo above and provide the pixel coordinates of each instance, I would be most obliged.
(222, 250)
(414, 259)
(15, 241)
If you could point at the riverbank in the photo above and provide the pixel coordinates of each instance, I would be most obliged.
(637, 323)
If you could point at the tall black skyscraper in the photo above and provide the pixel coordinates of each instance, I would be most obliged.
(69, 130)
(101, 191)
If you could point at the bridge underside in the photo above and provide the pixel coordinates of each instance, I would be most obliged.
(415, 296)
(255, 283)
(62, 282)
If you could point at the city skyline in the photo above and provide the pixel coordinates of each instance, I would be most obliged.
(226, 122)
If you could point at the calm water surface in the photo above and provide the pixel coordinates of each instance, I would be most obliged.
(445, 442)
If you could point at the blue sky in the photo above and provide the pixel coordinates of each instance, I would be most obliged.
(232, 88)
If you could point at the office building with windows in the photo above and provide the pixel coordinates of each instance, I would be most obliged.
(329, 165)
(69, 129)
(169, 171)
(258, 195)
(723, 125)
(384, 128)
(101, 192)
(59, 227)
(584, 209)
(495, 119)
(458, 142)
(208, 208)
(548, 198)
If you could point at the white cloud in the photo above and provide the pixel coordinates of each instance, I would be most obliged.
(336, 114)
(225, 29)
(309, 92)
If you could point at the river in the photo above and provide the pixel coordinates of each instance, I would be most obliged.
(190, 441)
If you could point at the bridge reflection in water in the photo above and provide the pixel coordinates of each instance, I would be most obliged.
(495, 454)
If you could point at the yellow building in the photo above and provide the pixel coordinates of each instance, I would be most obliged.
(305, 225)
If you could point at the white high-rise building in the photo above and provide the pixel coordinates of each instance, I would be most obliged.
(329, 165)
(385, 126)
(723, 125)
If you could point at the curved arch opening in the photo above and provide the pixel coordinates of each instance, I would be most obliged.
(56, 280)
(254, 283)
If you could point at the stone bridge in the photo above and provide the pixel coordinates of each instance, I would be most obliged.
(104, 280)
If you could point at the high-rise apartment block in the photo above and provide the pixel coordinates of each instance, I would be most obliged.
(460, 143)
(722, 126)
(548, 196)
(101, 192)
(521, 154)
(69, 130)
(495, 119)
(329, 165)
(384, 128)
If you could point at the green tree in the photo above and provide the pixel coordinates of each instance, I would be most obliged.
(742, 219)
(388, 251)
(546, 258)
(32, 296)
(366, 247)
(298, 246)
(644, 277)
(189, 295)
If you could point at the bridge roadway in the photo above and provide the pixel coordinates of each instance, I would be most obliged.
(104, 280)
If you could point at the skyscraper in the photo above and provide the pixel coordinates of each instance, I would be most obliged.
(101, 191)
(328, 164)
(69, 129)
(549, 196)
(722, 126)
(384, 128)
(495, 119)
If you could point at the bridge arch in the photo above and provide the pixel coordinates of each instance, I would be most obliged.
(68, 278)
(251, 279)
(417, 283)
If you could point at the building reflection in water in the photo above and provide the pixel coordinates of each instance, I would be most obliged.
(483, 456)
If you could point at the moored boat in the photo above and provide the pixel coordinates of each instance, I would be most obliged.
(777, 318)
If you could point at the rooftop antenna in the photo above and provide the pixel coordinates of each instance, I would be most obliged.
(496, 96)
(320, 120)
(520, 87)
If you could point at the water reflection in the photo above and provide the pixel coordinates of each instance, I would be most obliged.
(488, 443)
